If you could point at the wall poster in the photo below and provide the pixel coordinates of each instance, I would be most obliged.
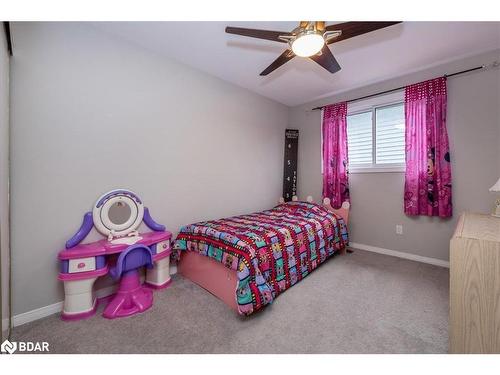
(290, 167)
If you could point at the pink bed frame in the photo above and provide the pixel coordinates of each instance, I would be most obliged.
(221, 281)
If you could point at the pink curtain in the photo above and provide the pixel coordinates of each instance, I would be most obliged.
(428, 169)
(335, 174)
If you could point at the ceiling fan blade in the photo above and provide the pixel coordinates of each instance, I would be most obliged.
(283, 58)
(260, 34)
(326, 60)
(352, 29)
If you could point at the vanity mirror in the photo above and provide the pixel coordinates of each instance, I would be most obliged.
(119, 213)
(116, 215)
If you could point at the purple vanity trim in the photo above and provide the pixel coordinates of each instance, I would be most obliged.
(64, 266)
(153, 225)
(163, 286)
(100, 262)
(84, 230)
(134, 257)
(116, 192)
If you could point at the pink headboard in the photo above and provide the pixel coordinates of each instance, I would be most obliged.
(343, 211)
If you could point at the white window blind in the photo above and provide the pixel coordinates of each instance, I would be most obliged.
(359, 138)
(390, 134)
(376, 138)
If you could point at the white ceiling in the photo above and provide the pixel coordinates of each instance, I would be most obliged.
(365, 59)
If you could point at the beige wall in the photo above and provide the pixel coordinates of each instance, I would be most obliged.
(91, 113)
(377, 198)
(4, 181)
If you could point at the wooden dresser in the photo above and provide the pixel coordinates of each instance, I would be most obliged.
(475, 285)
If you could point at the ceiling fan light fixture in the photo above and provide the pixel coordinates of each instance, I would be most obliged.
(307, 43)
(310, 39)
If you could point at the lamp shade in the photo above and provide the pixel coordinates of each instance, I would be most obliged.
(496, 187)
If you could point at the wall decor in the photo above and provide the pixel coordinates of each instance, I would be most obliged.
(290, 167)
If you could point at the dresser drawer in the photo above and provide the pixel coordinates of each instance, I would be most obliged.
(81, 265)
(162, 246)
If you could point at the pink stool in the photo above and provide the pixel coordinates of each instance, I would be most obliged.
(132, 297)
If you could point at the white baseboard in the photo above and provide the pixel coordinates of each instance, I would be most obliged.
(400, 254)
(45, 311)
(42, 312)
(36, 314)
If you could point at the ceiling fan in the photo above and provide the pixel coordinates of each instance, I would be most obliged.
(311, 39)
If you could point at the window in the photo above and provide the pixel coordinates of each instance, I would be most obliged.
(376, 138)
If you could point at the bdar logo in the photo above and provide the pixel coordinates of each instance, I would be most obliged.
(8, 347)
(24, 346)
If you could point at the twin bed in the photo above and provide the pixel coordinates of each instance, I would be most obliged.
(248, 260)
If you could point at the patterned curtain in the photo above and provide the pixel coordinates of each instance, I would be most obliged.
(335, 173)
(428, 168)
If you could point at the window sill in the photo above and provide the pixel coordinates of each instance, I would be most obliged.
(393, 169)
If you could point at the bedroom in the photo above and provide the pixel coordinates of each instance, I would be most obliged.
(212, 139)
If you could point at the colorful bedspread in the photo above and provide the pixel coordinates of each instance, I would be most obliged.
(270, 250)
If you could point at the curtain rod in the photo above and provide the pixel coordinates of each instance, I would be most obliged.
(494, 65)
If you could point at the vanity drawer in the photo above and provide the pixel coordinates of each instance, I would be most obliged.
(81, 265)
(162, 246)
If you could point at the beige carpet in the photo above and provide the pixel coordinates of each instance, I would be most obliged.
(357, 303)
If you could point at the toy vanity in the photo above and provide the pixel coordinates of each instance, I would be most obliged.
(117, 215)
